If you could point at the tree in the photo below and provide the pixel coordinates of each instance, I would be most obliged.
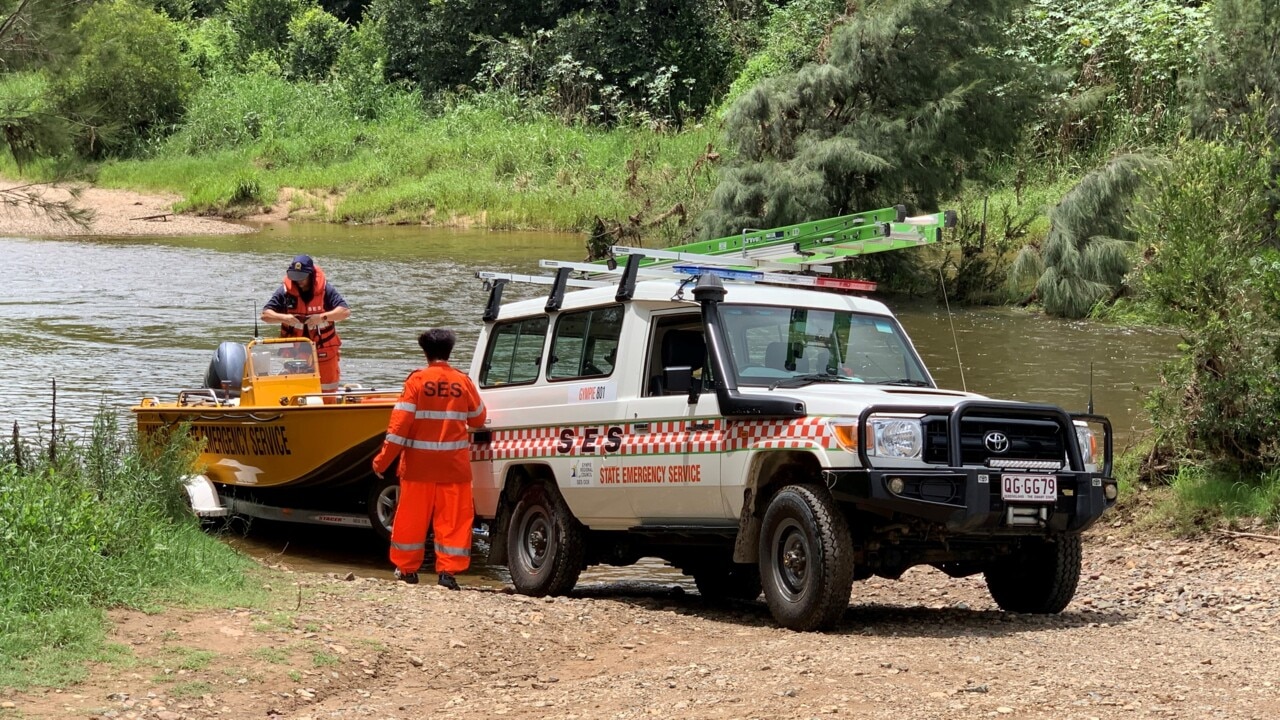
(315, 40)
(128, 72)
(1240, 71)
(915, 97)
(1088, 250)
(32, 33)
(1209, 271)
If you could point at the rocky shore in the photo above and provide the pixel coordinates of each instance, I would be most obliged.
(1158, 629)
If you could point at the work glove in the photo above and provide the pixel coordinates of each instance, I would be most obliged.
(316, 321)
(294, 322)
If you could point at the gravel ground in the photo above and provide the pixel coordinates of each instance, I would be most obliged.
(115, 213)
(1158, 629)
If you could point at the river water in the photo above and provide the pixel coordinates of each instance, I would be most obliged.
(116, 319)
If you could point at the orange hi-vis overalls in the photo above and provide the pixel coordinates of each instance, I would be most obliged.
(428, 432)
(325, 339)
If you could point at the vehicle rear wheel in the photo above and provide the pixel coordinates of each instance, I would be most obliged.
(806, 559)
(545, 546)
(384, 497)
(1041, 577)
(727, 581)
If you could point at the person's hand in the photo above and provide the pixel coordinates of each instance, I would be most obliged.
(316, 321)
(293, 322)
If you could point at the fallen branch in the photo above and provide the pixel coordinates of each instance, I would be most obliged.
(1252, 536)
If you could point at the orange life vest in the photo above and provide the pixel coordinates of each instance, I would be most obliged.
(428, 428)
(324, 338)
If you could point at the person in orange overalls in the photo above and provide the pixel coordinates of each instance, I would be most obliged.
(307, 305)
(428, 432)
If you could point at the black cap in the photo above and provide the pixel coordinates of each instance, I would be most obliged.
(301, 268)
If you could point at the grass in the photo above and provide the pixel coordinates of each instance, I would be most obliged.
(98, 523)
(487, 160)
(275, 656)
(1197, 500)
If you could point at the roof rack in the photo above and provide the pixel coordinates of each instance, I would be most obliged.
(796, 255)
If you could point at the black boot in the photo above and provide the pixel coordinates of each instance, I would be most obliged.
(447, 581)
(407, 578)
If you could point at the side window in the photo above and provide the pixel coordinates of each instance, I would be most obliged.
(585, 343)
(677, 340)
(514, 352)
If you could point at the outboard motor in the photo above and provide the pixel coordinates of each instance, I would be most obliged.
(227, 367)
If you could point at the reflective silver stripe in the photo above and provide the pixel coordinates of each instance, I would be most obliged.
(329, 387)
(439, 415)
(477, 411)
(407, 407)
(410, 546)
(427, 445)
(446, 550)
(397, 440)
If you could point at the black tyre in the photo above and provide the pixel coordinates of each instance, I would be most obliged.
(545, 547)
(384, 497)
(806, 559)
(727, 581)
(1040, 578)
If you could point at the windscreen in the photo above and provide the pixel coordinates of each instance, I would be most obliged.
(771, 344)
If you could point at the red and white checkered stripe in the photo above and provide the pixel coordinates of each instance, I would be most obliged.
(663, 438)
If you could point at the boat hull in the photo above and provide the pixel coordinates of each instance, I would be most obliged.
(304, 447)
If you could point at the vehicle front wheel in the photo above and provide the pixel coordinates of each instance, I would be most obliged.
(806, 559)
(1041, 577)
(384, 497)
(545, 546)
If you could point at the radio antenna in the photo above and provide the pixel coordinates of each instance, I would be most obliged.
(1090, 387)
(255, 321)
(955, 342)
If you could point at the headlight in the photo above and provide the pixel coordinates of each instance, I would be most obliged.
(1088, 443)
(896, 438)
(887, 437)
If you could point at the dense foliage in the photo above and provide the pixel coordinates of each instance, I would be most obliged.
(1211, 272)
(127, 75)
(1100, 151)
(1123, 61)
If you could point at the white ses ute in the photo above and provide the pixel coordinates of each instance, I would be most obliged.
(771, 439)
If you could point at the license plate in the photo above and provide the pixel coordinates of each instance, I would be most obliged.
(1029, 488)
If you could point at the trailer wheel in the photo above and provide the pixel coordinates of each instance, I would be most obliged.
(1041, 577)
(384, 497)
(806, 559)
(545, 545)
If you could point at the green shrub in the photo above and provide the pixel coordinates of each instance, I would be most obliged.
(29, 130)
(1209, 272)
(128, 73)
(315, 40)
(358, 72)
(1123, 62)
(792, 37)
(90, 524)
(264, 24)
(213, 46)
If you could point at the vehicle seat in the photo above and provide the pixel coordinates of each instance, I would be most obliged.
(680, 348)
(820, 358)
(775, 355)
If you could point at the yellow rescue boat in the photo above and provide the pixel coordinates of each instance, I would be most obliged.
(274, 445)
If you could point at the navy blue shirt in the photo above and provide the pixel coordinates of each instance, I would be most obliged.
(332, 299)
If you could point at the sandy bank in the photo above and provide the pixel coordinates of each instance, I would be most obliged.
(115, 212)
